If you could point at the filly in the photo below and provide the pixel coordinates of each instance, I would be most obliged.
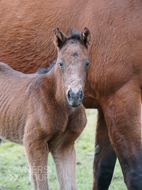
(44, 113)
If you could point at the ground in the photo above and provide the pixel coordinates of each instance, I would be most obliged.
(14, 173)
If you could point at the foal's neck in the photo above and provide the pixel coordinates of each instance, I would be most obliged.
(55, 75)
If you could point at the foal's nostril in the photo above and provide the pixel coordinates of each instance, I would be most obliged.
(80, 94)
(69, 96)
(69, 93)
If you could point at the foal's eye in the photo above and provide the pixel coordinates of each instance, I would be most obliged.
(61, 65)
(87, 64)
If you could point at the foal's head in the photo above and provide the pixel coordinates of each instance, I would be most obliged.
(73, 61)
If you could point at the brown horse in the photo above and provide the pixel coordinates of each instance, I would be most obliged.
(114, 80)
(42, 112)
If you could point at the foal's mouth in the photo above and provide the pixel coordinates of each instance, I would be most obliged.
(73, 103)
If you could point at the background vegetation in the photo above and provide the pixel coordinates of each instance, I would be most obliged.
(14, 167)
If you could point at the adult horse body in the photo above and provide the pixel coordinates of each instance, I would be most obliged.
(41, 111)
(114, 80)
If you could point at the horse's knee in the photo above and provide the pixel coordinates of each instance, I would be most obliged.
(132, 169)
(104, 163)
(104, 173)
(133, 178)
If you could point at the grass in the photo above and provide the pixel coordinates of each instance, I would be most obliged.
(14, 167)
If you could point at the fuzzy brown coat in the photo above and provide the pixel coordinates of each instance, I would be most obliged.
(114, 79)
(35, 110)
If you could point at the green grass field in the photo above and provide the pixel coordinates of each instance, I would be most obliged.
(14, 167)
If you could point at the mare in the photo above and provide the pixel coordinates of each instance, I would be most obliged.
(114, 79)
(43, 111)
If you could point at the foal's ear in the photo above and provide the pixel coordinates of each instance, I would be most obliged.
(86, 36)
(58, 38)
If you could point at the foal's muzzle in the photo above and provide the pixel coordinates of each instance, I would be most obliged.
(75, 99)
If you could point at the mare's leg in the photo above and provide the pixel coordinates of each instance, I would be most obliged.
(123, 116)
(105, 157)
(37, 154)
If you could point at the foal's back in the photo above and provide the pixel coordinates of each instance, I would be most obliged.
(14, 98)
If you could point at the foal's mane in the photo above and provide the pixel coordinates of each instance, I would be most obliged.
(47, 69)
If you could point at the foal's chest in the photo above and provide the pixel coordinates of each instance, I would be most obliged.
(59, 126)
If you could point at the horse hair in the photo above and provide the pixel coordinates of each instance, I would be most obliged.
(47, 69)
(74, 34)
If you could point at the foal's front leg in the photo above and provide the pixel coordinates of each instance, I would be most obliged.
(64, 156)
(37, 154)
(65, 161)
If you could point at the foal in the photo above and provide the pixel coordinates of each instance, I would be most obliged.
(41, 111)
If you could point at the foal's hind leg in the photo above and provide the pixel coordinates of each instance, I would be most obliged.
(65, 161)
(123, 116)
(105, 157)
(37, 153)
